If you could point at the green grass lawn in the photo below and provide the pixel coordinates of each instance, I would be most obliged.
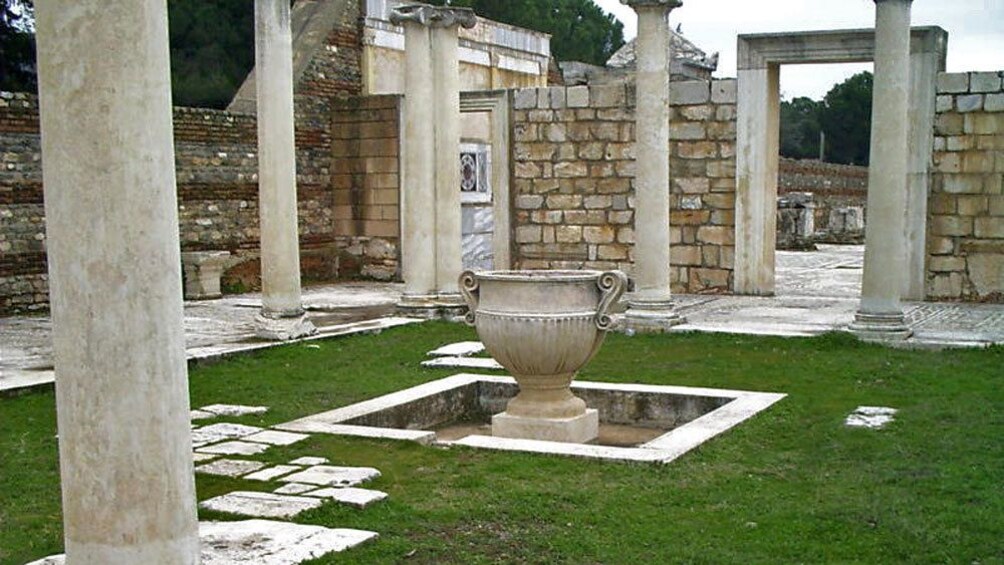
(792, 485)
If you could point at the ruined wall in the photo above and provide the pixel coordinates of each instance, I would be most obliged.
(966, 208)
(573, 180)
(832, 185)
(216, 157)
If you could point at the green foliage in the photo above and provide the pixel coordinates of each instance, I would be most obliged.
(580, 30)
(845, 115)
(17, 46)
(800, 128)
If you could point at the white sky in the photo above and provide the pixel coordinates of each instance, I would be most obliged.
(975, 32)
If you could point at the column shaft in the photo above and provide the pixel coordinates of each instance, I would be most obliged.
(280, 249)
(115, 283)
(446, 111)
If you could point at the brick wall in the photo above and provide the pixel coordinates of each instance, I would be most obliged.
(573, 180)
(966, 208)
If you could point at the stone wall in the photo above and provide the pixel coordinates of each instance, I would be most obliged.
(966, 208)
(216, 157)
(832, 185)
(573, 180)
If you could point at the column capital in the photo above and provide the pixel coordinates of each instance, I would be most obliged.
(900, 1)
(433, 16)
(643, 4)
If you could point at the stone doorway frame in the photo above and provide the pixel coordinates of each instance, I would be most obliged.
(758, 140)
(496, 103)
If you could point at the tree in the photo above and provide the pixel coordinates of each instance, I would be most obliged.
(17, 45)
(846, 118)
(800, 128)
(580, 30)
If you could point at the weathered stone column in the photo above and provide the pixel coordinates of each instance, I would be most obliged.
(650, 308)
(125, 448)
(880, 315)
(430, 219)
(281, 315)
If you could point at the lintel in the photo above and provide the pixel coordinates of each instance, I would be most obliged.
(758, 51)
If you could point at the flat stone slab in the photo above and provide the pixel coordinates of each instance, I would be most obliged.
(233, 409)
(235, 447)
(229, 468)
(294, 488)
(463, 362)
(355, 497)
(264, 542)
(202, 415)
(261, 504)
(273, 472)
(460, 349)
(274, 437)
(309, 461)
(218, 432)
(871, 417)
(326, 475)
(202, 457)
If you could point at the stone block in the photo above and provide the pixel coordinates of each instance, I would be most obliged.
(944, 103)
(986, 273)
(994, 103)
(605, 131)
(615, 115)
(946, 264)
(705, 279)
(691, 203)
(260, 504)
(687, 131)
(325, 475)
(556, 97)
(554, 133)
(599, 234)
(607, 96)
(689, 218)
(959, 142)
(685, 255)
(619, 151)
(725, 113)
(977, 162)
(620, 217)
(613, 252)
(701, 113)
(951, 225)
(949, 124)
(528, 234)
(571, 170)
(969, 103)
(962, 184)
(568, 234)
(695, 185)
(697, 150)
(689, 92)
(984, 123)
(203, 270)
(945, 285)
(724, 91)
(585, 217)
(577, 96)
(941, 245)
(529, 201)
(720, 201)
(564, 201)
(721, 169)
(941, 203)
(597, 202)
(952, 83)
(990, 228)
(985, 82)
(580, 429)
(716, 235)
(625, 235)
(592, 151)
(526, 170)
(996, 205)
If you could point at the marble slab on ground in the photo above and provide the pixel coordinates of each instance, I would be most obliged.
(294, 488)
(233, 409)
(463, 362)
(871, 417)
(261, 504)
(264, 542)
(355, 497)
(235, 447)
(229, 467)
(459, 349)
(202, 415)
(202, 457)
(219, 432)
(272, 473)
(274, 437)
(326, 475)
(309, 461)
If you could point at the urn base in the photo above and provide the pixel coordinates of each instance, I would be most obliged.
(583, 428)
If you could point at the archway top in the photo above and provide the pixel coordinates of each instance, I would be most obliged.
(760, 50)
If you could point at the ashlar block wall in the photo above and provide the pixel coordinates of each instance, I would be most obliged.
(573, 180)
(966, 210)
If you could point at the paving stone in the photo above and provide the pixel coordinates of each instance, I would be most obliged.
(460, 349)
(294, 488)
(261, 504)
(872, 417)
(219, 432)
(264, 542)
(229, 467)
(233, 409)
(465, 362)
(272, 472)
(203, 457)
(355, 497)
(273, 437)
(202, 415)
(309, 461)
(326, 475)
(234, 448)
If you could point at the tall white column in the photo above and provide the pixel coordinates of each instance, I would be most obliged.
(880, 315)
(650, 308)
(125, 445)
(430, 218)
(281, 315)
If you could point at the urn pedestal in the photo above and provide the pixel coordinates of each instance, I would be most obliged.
(543, 326)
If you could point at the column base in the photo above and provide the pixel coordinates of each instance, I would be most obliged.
(445, 306)
(880, 328)
(284, 328)
(584, 428)
(651, 316)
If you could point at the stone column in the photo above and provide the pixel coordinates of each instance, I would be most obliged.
(430, 219)
(880, 315)
(281, 315)
(650, 308)
(125, 448)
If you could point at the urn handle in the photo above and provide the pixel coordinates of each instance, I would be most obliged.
(612, 285)
(469, 288)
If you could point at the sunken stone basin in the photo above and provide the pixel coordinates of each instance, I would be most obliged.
(543, 326)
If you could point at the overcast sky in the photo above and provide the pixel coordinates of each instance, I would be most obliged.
(975, 32)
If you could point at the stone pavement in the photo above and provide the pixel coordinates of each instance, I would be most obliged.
(816, 292)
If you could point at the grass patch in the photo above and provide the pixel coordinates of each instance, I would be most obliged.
(791, 485)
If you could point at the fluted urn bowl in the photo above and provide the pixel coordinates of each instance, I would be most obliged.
(542, 326)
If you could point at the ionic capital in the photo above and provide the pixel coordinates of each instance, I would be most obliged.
(648, 4)
(433, 16)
